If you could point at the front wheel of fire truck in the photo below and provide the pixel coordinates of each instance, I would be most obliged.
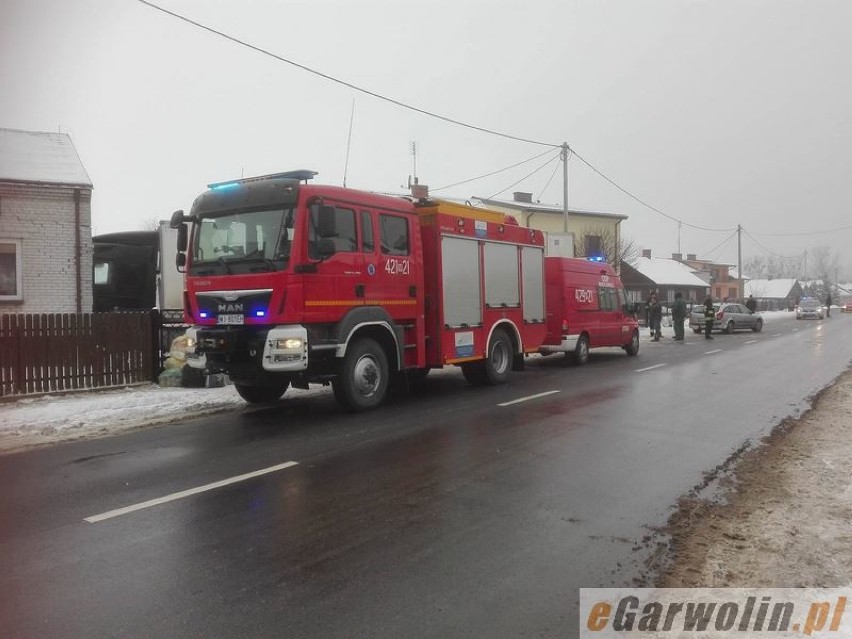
(362, 380)
(261, 394)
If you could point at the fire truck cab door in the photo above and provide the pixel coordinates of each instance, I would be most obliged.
(391, 263)
(336, 286)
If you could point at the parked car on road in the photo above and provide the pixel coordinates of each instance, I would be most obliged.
(809, 308)
(846, 308)
(730, 317)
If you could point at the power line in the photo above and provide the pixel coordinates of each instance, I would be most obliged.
(339, 81)
(645, 204)
(535, 157)
(785, 257)
(550, 179)
(555, 157)
(835, 230)
(721, 246)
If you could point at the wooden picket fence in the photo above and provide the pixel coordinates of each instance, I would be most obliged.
(45, 353)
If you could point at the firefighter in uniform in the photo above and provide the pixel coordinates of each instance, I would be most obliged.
(709, 316)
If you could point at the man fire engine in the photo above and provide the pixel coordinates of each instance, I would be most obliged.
(290, 283)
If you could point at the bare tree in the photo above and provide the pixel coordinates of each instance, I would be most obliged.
(595, 241)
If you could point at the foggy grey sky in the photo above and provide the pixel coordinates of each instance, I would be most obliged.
(717, 113)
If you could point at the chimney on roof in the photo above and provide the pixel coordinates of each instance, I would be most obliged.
(677, 256)
(691, 257)
(646, 252)
(520, 196)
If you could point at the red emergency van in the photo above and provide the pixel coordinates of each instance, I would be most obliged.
(586, 308)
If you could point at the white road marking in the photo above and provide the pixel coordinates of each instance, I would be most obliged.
(718, 350)
(777, 335)
(751, 341)
(649, 368)
(187, 493)
(526, 399)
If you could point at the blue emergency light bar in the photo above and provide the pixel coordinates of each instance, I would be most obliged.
(301, 175)
(596, 258)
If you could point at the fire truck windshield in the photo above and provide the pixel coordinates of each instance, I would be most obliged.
(242, 242)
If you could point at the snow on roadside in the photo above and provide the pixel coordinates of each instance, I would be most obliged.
(39, 420)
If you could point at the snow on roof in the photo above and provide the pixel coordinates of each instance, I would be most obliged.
(30, 156)
(546, 208)
(770, 289)
(667, 272)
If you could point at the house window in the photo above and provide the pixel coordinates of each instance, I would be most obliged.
(593, 246)
(11, 288)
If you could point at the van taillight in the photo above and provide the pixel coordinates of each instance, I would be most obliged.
(564, 326)
(719, 315)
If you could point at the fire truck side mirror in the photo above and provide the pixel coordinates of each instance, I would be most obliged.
(326, 248)
(326, 221)
(180, 260)
(181, 238)
(176, 220)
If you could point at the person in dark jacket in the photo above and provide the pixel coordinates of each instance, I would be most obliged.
(751, 303)
(709, 317)
(655, 316)
(678, 316)
(828, 305)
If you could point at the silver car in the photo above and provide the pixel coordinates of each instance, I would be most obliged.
(809, 307)
(730, 317)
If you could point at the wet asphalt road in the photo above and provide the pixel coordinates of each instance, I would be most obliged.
(442, 514)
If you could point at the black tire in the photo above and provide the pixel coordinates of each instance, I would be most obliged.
(729, 327)
(758, 326)
(474, 373)
(362, 379)
(632, 348)
(498, 364)
(261, 394)
(697, 331)
(581, 351)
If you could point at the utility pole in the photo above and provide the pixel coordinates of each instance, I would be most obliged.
(740, 287)
(565, 151)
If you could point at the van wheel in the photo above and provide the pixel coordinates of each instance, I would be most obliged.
(581, 351)
(362, 379)
(261, 394)
(729, 329)
(632, 348)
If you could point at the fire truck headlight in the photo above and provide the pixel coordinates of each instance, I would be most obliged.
(291, 343)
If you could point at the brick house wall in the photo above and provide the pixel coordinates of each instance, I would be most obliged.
(42, 218)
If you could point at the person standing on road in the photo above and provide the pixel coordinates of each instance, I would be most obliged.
(678, 316)
(655, 315)
(709, 317)
(828, 305)
(751, 303)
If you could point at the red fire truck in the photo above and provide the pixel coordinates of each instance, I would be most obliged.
(290, 283)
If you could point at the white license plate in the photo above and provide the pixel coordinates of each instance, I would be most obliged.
(231, 318)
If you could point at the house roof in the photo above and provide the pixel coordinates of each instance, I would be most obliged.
(770, 289)
(666, 272)
(44, 158)
(536, 207)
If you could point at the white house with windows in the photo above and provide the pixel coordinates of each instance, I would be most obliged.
(45, 225)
